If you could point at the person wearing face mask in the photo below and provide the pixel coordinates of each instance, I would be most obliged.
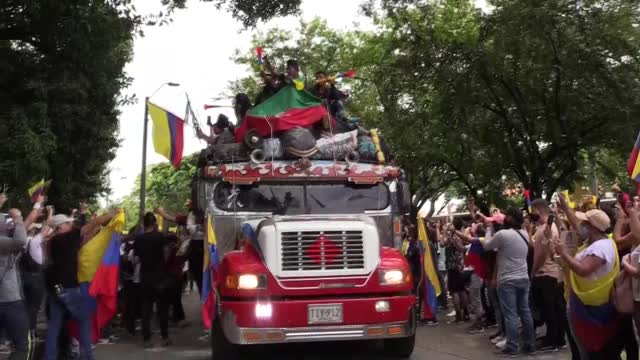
(592, 272)
(546, 284)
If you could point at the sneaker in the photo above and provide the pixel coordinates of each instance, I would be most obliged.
(475, 329)
(431, 322)
(452, 314)
(106, 341)
(496, 335)
(547, 349)
(502, 344)
(497, 340)
(507, 353)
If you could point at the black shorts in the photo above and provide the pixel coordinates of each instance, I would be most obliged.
(455, 281)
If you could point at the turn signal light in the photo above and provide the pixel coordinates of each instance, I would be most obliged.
(275, 336)
(252, 337)
(376, 331)
(395, 330)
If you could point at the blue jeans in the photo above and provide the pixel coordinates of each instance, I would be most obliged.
(70, 301)
(514, 304)
(15, 321)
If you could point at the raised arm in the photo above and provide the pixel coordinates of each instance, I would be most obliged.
(571, 216)
(160, 211)
(35, 212)
(96, 223)
(19, 238)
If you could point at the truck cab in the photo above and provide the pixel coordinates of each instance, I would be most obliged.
(308, 250)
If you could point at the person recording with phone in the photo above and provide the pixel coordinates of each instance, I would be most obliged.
(546, 285)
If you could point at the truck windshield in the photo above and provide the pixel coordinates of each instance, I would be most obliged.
(302, 198)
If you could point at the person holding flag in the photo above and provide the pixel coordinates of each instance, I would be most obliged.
(66, 297)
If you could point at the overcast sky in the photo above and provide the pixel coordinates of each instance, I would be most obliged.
(195, 51)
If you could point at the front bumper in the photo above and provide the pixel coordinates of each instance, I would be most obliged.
(289, 324)
(253, 336)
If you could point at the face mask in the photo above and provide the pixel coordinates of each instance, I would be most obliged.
(534, 217)
(583, 231)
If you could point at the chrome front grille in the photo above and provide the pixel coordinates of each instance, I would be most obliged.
(322, 250)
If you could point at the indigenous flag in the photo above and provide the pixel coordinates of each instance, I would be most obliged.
(283, 111)
(431, 289)
(168, 134)
(98, 266)
(475, 258)
(594, 319)
(38, 189)
(210, 276)
(633, 166)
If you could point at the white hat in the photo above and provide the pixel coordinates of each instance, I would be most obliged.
(60, 219)
(597, 218)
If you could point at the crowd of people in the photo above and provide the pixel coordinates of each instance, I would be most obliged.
(39, 267)
(551, 270)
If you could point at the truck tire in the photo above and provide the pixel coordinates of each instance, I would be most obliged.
(221, 348)
(400, 348)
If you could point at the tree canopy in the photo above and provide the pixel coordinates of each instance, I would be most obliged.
(61, 76)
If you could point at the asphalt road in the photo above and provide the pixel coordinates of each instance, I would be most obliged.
(442, 342)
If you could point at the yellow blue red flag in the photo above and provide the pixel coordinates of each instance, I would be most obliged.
(168, 133)
(431, 282)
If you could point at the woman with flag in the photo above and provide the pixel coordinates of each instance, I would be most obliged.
(593, 318)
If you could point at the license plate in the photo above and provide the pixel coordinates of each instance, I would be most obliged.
(325, 314)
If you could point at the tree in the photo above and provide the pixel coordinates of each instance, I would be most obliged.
(167, 187)
(249, 12)
(62, 72)
(518, 92)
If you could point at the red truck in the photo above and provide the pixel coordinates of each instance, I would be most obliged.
(308, 252)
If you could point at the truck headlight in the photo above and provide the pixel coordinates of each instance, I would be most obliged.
(246, 282)
(392, 277)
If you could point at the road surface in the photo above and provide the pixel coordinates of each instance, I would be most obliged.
(442, 342)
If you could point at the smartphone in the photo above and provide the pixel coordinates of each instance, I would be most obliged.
(551, 219)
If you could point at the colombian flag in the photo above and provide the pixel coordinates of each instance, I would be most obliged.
(593, 317)
(633, 166)
(431, 283)
(98, 266)
(475, 258)
(38, 189)
(168, 134)
(210, 276)
(527, 199)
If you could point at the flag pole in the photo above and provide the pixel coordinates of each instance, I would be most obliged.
(143, 173)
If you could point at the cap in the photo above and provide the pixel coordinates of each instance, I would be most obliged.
(597, 218)
(60, 219)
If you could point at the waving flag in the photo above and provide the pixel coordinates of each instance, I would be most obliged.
(475, 258)
(210, 276)
(98, 266)
(168, 133)
(431, 289)
(38, 189)
(260, 58)
(633, 166)
(349, 74)
(283, 111)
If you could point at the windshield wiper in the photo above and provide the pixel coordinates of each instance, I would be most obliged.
(317, 201)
